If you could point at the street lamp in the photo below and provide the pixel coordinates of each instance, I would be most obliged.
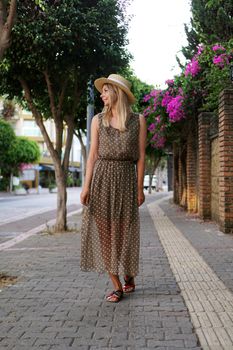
(231, 73)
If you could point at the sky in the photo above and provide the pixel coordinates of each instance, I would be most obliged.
(156, 35)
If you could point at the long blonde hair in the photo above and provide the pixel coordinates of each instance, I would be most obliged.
(118, 98)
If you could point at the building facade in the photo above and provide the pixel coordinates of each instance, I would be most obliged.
(42, 174)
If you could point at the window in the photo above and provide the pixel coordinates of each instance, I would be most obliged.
(30, 128)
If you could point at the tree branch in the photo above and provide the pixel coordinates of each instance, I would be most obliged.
(61, 97)
(57, 118)
(51, 95)
(5, 28)
(38, 118)
(69, 139)
(2, 15)
(12, 14)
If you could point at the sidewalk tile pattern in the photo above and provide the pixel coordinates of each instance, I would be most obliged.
(55, 306)
(209, 301)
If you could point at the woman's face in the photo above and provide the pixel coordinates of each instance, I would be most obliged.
(105, 95)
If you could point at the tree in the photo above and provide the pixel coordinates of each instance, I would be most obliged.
(22, 151)
(7, 139)
(54, 53)
(211, 22)
(15, 151)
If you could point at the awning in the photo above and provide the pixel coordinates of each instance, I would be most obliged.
(47, 167)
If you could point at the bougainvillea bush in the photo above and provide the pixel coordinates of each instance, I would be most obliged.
(196, 89)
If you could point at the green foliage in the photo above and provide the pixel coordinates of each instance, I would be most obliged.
(15, 150)
(213, 20)
(72, 40)
(23, 151)
(7, 140)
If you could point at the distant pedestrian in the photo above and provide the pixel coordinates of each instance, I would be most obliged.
(113, 188)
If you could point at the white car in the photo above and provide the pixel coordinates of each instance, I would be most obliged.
(146, 182)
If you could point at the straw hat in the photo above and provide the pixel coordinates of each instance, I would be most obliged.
(118, 80)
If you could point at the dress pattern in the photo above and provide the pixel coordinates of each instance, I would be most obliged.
(110, 224)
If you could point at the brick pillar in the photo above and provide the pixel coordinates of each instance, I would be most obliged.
(175, 173)
(180, 188)
(191, 169)
(204, 165)
(226, 161)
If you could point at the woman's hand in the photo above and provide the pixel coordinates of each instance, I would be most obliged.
(141, 197)
(84, 196)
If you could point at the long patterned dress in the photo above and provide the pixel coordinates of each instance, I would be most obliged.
(110, 224)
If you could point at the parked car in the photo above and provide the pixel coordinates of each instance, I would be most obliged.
(146, 182)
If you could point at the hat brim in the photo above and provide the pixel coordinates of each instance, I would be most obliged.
(99, 83)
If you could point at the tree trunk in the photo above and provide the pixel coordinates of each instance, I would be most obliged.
(6, 24)
(150, 183)
(61, 168)
(61, 221)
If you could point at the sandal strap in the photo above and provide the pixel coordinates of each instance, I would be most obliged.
(116, 293)
(129, 280)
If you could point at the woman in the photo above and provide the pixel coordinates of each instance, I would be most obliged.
(113, 188)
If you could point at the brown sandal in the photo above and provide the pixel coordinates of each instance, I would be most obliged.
(115, 296)
(129, 286)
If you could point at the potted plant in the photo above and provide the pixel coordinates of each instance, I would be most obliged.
(52, 187)
(19, 190)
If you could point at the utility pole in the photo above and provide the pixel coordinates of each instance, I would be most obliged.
(90, 111)
(90, 114)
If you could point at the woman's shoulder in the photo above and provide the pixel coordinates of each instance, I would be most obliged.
(137, 117)
(97, 120)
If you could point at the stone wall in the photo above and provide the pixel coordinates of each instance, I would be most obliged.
(203, 173)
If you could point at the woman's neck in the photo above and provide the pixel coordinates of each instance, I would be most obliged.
(114, 113)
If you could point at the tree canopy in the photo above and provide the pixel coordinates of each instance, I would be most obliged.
(56, 49)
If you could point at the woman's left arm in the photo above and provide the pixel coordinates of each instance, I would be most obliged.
(141, 160)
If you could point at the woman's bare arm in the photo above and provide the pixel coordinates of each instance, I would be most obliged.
(141, 160)
(92, 157)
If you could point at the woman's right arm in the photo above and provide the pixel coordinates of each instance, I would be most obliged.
(92, 157)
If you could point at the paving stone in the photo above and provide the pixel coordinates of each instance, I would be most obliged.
(55, 306)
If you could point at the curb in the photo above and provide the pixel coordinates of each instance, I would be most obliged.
(25, 235)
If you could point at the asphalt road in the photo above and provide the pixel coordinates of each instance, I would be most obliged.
(14, 208)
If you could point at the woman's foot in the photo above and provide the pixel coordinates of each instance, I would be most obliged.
(129, 285)
(115, 296)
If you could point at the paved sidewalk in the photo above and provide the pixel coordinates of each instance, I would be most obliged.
(55, 306)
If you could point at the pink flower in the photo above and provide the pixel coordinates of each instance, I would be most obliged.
(151, 127)
(192, 68)
(175, 109)
(200, 49)
(166, 99)
(221, 60)
(146, 98)
(158, 141)
(147, 111)
(169, 82)
(218, 47)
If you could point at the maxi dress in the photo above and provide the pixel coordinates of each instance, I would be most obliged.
(110, 224)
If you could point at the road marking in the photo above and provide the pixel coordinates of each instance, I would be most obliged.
(209, 301)
(24, 215)
(35, 230)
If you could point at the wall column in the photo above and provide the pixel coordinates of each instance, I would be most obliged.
(226, 161)
(191, 169)
(204, 165)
